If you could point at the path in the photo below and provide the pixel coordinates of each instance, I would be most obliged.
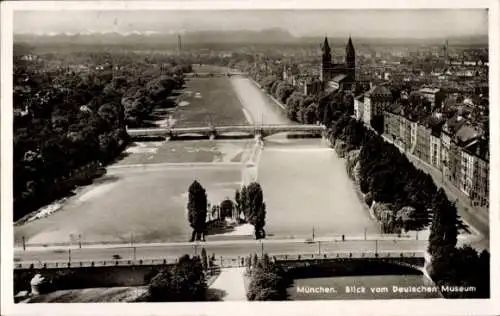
(229, 286)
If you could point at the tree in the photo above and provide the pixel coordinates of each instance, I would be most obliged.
(405, 217)
(443, 235)
(183, 282)
(256, 209)
(197, 210)
(283, 91)
(293, 104)
(267, 282)
(204, 260)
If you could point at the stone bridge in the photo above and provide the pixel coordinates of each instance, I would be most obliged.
(213, 132)
(412, 260)
(214, 74)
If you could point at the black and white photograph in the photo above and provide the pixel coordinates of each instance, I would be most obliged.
(223, 154)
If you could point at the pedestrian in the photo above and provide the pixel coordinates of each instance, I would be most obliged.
(343, 237)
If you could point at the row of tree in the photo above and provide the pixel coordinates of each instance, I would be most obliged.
(320, 107)
(71, 115)
(404, 197)
(403, 193)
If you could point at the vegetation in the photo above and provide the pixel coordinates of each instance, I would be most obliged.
(404, 197)
(204, 259)
(451, 266)
(181, 283)
(250, 201)
(443, 237)
(71, 112)
(197, 210)
(268, 282)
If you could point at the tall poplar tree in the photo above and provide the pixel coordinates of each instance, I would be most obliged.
(197, 210)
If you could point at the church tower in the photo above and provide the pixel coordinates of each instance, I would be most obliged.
(350, 60)
(326, 63)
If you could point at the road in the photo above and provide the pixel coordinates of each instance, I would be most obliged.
(221, 248)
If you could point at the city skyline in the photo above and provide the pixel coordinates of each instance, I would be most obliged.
(425, 23)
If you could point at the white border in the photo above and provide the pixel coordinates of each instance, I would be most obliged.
(379, 307)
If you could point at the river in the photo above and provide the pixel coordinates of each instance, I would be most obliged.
(306, 190)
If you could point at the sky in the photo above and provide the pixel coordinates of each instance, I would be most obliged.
(365, 23)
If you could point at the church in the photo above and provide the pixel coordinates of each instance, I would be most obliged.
(338, 76)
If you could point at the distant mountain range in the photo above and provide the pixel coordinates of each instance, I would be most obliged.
(266, 36)
(198, 37)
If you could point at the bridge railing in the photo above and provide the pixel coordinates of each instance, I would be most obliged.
(218, 261)
(92, 263)
(74, 242)
(226, 127)
(347, 255)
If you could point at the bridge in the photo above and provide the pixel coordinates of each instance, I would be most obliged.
(213, 132)
(214, 74)
(409, 259)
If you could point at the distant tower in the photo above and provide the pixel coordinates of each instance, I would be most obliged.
(326, 62)
(445, 49)
(179, 43)
(350, 60)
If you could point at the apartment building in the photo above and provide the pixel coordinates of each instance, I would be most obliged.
(375, 101)
(449, 145)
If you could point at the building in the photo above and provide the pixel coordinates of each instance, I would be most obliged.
(375, 101)
(335, 76)
(430, 95)
(465, 180)
(480, 194)
(452, 146)
(358, 107)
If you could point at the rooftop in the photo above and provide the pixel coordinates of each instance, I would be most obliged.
(379, 90)
(429, 90)
(339, 78)
(466, 133)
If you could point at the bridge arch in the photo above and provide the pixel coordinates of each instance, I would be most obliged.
(331, 267)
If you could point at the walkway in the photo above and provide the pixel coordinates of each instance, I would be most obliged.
(229, 286)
